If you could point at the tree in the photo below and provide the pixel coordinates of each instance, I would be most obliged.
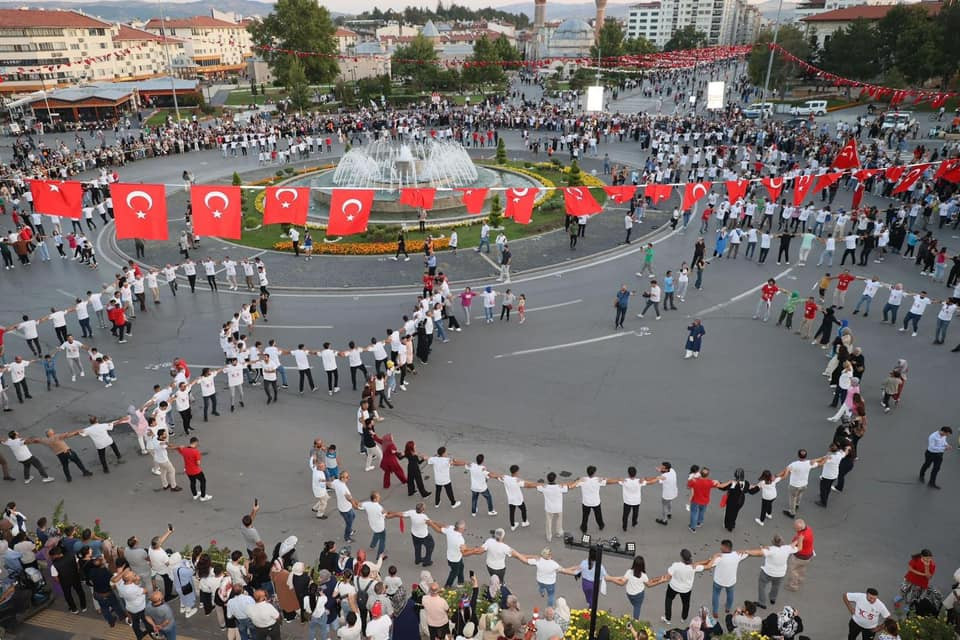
(948, 22)
(686, 38)
(575, 177)
(610, 42)
(416, 60)
(484, 65)
(298, 89)
(911, 40)
(791, 39)
(506, 51)
(851, 52)
(638, 46)
(501, 152)
(298, 25)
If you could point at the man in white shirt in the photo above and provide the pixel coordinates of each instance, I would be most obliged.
(948, 308)
(867, 613)
(799, 472)
(208, 391)
(725, 566)
(28, 329)
(274, 352)
(378, 627)
(376, 518)
(161, 460)
(423, 542)
(830, 472)
(441, 476)
(345, 504)
(870, 288)
(553, 504)
(18, 376)
(920, 303)
(72, 348)
(457, 549)
(264, 616)
(329, 359)
(653, 299)
(99, 434)
(669, 491)
(181, 398)
(301, 356)
(478, 486)
(23, 455)
(893, 303)
(134, 596)
(632, 487)
(497, 553)
(773, 570)
(514, 487)
(590, 497)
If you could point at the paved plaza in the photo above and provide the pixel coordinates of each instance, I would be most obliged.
(562, 391)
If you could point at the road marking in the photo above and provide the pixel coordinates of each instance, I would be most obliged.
(267, 325)
(554, 306)
(66, 293)
(738, 297)
(568, 345)
(488, 259)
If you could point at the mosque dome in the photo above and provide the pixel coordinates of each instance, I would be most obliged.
(573, 29)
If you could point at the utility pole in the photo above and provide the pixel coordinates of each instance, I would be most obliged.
(166, 51)
(766, 82)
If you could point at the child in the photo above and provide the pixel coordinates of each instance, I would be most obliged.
(522, 307)
(694, 473)
(890, 387)
(822, 285)
(454, 241)
(391, 378)
(58, 242)
(333, 465)
(392, 583)
(50, 368)
(307, 245)
(380, 386)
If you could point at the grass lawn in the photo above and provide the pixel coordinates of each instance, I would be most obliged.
(547, 217)
(160, 117)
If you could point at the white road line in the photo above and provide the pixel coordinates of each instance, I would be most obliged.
(488, 259)
(554, 306)
(740, 296)
(267, 325)
(567, 345)
(67, 293)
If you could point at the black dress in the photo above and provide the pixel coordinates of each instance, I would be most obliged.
(736, 496)
(414, 477)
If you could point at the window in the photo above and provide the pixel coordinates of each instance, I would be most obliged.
(96, 32)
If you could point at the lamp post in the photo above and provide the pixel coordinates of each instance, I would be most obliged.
(166, 51)
(766, 82)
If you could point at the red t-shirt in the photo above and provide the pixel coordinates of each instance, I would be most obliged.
(768, 291)
(701, 490)
(191, 460)
(805, 543)
(920, 581)
(844, 280)
(810, 310)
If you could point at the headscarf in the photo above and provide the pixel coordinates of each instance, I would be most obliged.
(494, 588)
(787, 623)
(323, 577)
(488, 289)
(296, 570)
(288, 545)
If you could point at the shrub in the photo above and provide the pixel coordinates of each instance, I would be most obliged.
(501, 152)
(236, 181)
(925, 628)
(575, 176)
(495, 217)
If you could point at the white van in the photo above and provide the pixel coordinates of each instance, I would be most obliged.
(810, 107)
(898, 120)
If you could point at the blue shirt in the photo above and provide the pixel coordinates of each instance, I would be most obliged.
(937, 442)
(623, 297)
(668, 284)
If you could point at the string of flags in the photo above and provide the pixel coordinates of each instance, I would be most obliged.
(896, 96)
(140, 210)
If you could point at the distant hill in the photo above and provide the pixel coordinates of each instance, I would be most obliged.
(562, 11)
(119, 11)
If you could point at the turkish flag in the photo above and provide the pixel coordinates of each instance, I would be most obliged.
(693, 192)
(520, 205)
(473, 199)
(621, 194)
(216, 211)
(657, 192)
(857, 196)
(774, 187)
(912, 176)
(140, 211)
(949, 170)
(801, 186)
(848, 157)
(56, 198)
(824, 180)
(349, 211)
(736, 189)
(893, 173)
(419, 198)
(580, 202)
(286, 204)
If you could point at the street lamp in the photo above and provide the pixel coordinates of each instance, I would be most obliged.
(766, 82)
(166, 51)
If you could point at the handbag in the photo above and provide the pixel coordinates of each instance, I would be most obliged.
(185, 589)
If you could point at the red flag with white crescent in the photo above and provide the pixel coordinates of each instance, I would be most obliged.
(848, 157)
(140, 211)
(286, 204)
(473, 199)
(857, 196)
(349, 211)
(580, 202)
(657, 192)
(911, 176)
(824, 180)
(693, 192)
(621, 193)
(801, 186)
(57, 198)
(948, 170)
(216, 211)
(736, 189)
(418, 197)
(520, 205)
(774, 187)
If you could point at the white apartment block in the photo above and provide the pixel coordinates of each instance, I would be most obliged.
(724, 21)
(212, 46)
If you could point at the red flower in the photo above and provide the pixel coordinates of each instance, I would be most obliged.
(213, 542)
(97, 522)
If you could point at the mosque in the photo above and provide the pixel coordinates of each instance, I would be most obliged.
(571, 38)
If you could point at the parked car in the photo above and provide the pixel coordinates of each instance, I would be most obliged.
(759, 109)
(898, 120)
(810, 107)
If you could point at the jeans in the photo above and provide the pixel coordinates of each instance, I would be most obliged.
(892, 309)
(245, 627)
(931, 459)
(484, 242)
(170, 633)
(762, 583)
(697, 511)
(863, 300)
(476, 497)
(911, 317)
(423, 550)
(826, 255)
(210, 401)
(139, 624)
(319, 629)
(636, 601)
(763, 310)
(85, 327)
(548, 590)
(109, 606)
(379, 541)
(488, 314)
(941, 334)
(715, 601)
(456, 573)
(855, 631)
(348, 517)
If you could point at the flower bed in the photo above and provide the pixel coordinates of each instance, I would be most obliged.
(356, 248)
(619, 626)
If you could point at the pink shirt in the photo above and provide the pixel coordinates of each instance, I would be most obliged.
(435, 608)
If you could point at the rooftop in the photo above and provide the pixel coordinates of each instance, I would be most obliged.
(201, 22)
(27, 18)
(343, 32)
(868, 12)
(127, 32)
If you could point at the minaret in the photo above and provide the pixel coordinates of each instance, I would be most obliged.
(539, 19)
(601, 16)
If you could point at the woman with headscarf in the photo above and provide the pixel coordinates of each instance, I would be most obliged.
(423, 343)
(498, 592)
(736, 496)
(695, 333)
(182, 574)
(299, 581)
(283, 585)
(826, 327)
(285, 553)
(414, 477)
(390, 462)
(788, 308)
(786, 624)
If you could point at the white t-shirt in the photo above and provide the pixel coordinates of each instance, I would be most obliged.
(72, 349)
(768, 490)
(379, 628)
(870, 288)
(329, 359)
(134, 598)
(513, 488)
(799, 472)
(454, 542)
(29, 329)
(497, 553)
(831, 467)
(590, 490)
(234, 375)
(546, 570)
(300, 356)
(478, 477)
(682, 575)
(441, 469)
(20, 450)
(375, 514)
(58, 318)
(208, 385)
(553, 497)
(342, 491)
(919, 305)
(725, 568)
(946, 311)
(896, 297)
(418, 523)
(865, 613)
(632, 490)
(635, 584)
(775, 560)
(668, 480)
(99, 434)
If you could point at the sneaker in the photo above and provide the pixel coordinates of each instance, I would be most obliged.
(455, 505)
(196, 496)
(206, 497)
(513, 527)
(913, 335)
(664, 619)
(901, 329)
(491, 513)
(758, 521)
(28, 481)
(336, 389)
(51, 479)
(524, 524)
(73, 378)
(81, 371)
(155, 472)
